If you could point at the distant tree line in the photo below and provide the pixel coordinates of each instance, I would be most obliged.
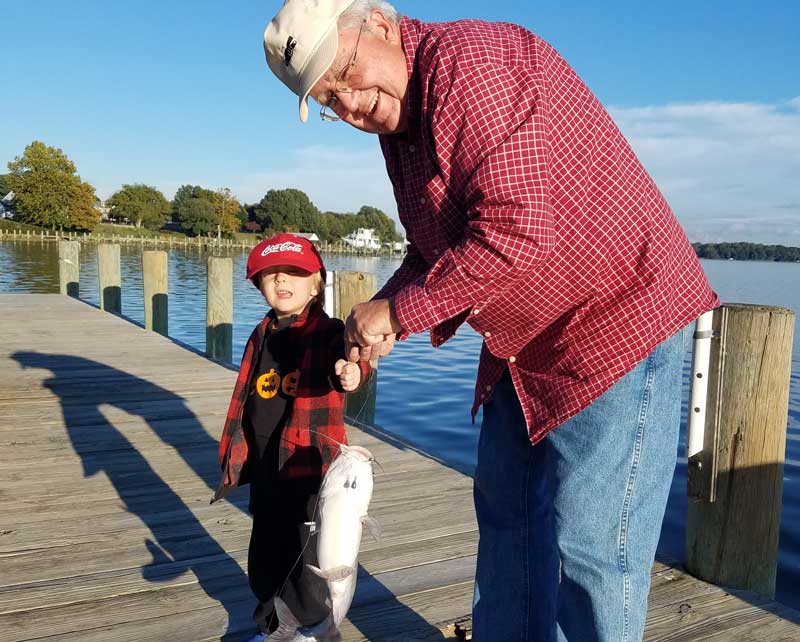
(48, 192)
(291, 210)
(747, 251)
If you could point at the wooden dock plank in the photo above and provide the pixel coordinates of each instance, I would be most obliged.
(108, 439)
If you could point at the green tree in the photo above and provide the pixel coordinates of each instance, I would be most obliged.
(48, 190)
(198, 216)
(5, 186)
(285, 209)
(144, 205)
(335, 225)
(184, 194)
(374, 218)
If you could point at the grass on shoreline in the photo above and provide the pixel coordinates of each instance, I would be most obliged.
(111, 229)
(10, 226)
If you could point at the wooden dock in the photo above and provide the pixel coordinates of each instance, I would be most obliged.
(108, 440)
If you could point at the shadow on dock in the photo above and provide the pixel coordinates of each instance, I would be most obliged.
(180, 544)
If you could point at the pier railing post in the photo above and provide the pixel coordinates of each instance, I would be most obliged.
(351, 288)
(69, 268)
(155, 269)
(219, 309)
(108, 275)
(732, 537)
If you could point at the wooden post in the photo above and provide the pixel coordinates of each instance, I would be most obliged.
(108, 274)
(351, 288)
(69, 267)
(155, 267)
(219, 309)
(732, 539)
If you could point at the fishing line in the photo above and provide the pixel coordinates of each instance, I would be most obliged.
(372, 378)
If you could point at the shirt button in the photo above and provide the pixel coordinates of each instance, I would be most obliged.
(488, 388)
(422, 199)
(411, 148)
(487, 334)
(475, 311)
(512, 359)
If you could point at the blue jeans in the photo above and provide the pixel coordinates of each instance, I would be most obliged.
(569, 527)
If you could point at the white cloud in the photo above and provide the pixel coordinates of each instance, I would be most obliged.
(729, 170)
(335, 180)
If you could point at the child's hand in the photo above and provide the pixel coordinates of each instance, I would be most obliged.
(349, 374)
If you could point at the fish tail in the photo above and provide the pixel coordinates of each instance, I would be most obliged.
(287, 623)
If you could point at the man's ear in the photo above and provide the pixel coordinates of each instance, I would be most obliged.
(383, 28)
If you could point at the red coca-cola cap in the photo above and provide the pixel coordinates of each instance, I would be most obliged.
(284, 249)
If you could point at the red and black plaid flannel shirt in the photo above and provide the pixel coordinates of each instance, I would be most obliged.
(530, 217)
(316, 425)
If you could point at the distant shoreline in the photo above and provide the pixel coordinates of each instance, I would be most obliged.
(735, 250)
(741, 251)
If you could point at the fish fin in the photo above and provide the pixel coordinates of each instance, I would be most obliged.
(325, 630)
(287, 623)
(373, 527)
(332, 574)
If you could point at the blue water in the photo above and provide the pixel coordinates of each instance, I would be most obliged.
(425, 395)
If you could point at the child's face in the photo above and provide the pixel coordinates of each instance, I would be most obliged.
(287, 289)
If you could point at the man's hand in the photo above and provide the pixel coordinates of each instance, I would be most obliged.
(349, 374)
(370, 330)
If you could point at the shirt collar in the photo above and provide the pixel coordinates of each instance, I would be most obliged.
(314, 308)
(409, 38)
(410, 33)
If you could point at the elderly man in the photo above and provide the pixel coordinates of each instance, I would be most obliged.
(530, 218)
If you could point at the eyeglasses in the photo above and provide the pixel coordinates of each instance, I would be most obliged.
(341, 85)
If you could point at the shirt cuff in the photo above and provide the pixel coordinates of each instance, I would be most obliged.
(415, 310)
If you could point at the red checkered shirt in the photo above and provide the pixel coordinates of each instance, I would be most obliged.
(530, 217)
(310, 438)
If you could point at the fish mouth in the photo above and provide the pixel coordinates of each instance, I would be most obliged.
(359, 451)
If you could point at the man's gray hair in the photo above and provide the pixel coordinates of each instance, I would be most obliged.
(359, 11)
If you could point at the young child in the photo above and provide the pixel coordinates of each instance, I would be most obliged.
(285, 423)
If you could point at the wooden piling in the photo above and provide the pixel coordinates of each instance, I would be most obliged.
(155, 270)
(219, 309)
(351, 288)
(733, 540)
(108, 274)
(69, 268)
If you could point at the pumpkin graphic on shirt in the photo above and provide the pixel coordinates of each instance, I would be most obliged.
(267, 384)
(289, 385)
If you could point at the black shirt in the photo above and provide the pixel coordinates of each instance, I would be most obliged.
(270, 400)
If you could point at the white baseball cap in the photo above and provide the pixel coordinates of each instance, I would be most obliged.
(301, 42)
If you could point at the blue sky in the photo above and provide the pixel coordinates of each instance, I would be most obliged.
(174, 93)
